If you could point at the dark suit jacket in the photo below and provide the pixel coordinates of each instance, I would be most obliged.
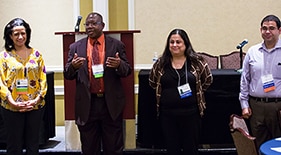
(114, 93)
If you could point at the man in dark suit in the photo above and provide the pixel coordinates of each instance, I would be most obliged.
(97, 63)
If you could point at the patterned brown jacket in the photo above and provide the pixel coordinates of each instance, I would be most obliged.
(203, 76)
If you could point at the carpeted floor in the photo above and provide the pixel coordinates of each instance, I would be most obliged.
(56, 146)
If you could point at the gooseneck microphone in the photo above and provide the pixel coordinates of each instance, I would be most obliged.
(77, 26)
(243, 43)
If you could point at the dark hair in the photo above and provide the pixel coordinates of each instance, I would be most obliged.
(9, 44)
(271, 18)
(189, 51)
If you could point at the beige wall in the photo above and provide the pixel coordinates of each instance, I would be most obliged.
(45, 18)
(214, 26)
(118, 15)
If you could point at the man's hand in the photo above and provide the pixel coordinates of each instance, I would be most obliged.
(77, 62)
(246, 112)
(113, 62)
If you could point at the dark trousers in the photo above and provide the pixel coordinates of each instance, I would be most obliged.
(181, 132)
(101, 131)
(22, 130)
(264, 121)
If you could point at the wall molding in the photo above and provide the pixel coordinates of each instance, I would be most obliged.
(56, 69)
(59, 69)
(59, 90)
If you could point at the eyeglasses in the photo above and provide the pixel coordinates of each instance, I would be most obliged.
(92, 24)
(271, 28)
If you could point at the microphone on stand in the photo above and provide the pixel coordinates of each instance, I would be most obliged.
(240, 46)
(243, 43)
(77, 26)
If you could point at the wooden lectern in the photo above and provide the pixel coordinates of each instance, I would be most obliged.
(71, 131)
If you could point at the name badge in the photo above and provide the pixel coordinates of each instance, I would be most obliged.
(184, 90)
(268, 83)
(97, 70)
(22, 86)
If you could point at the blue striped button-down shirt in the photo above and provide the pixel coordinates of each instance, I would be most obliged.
(260, 61)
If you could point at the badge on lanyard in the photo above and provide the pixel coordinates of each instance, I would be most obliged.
(268, 83)
(97, 70)
(22, 86)
(184, 90)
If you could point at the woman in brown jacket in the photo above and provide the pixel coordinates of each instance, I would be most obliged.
(180, 77)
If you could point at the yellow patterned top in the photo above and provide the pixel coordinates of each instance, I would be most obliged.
(14, 68)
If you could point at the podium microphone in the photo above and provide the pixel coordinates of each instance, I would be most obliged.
(243, 43)
(77, 26)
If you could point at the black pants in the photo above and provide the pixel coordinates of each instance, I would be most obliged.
(22, 130)
(101, 131)
(181, 132)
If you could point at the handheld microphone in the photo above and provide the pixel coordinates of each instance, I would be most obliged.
(243, 43)
(77, 26)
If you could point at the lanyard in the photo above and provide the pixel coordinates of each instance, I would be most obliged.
(185, 74)
(25, 71)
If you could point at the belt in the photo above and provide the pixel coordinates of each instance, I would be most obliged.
(98, 95)
(266, 99)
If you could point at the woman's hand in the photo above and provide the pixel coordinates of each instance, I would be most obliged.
(23, 106)
(26, 106)
(29, 105)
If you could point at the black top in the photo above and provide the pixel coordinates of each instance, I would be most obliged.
(170, 98)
